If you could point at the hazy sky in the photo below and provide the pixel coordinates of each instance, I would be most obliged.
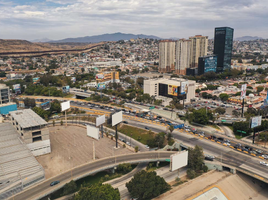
(58, 19)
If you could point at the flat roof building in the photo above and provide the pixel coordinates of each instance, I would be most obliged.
(33, 130)
(4, 94)
(170, 88)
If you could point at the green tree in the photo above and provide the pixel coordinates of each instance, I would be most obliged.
(29, 103)
(124, 168)
(55, 106)
(220, 110)
(236, 113)
(136, 149)
(146, 185)
(69, 188)
(259, 89)
(195, 158)
(224, 96)
(98, 192)
(171, 128)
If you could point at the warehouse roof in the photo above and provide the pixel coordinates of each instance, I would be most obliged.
(27, 118)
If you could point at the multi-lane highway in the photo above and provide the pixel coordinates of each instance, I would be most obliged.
(44, 188)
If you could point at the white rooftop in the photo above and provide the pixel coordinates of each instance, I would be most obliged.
(27, 118)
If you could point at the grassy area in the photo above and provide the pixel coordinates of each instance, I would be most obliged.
(215, 126)
(69, 95)
(238, 136)
(136, 133)
(153, 167)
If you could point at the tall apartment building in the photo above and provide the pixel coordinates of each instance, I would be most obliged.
(223, 46)
(199, 48)
(183, 55)
(166, 56)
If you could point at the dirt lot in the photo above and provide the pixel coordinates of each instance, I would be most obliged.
(71, 147)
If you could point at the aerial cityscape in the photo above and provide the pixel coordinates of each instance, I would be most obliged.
(116, 100)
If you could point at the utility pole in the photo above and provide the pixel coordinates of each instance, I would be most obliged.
(93, 150)
(116, 137)
(242, 113)
(65, 118)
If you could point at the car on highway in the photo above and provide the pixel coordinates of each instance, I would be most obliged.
(209, 157)
(264, 163)
(265, 156)
(54, 183)
(147, 128)
(147, 146)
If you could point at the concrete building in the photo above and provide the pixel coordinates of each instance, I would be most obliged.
(5, 105)
(170, 88)
(33, 130)
(183, 56)
(18, 167)
(199, 46)
(4, 94)
(166, 56)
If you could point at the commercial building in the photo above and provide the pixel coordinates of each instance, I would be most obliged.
(183, 56)
(166, 56)
(108, 77)
(223, 46)
(207, 64)
(170, 88)
(33, 130)
(199, 46)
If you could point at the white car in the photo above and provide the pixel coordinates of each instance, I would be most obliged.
(147, 146)
(264, 163)
(265, 156)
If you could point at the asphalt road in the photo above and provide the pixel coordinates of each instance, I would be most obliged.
(44, 187)
(223, 153)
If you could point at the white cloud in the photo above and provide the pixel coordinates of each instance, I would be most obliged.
(164, 18)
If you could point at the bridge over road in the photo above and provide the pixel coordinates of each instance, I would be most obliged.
(43, 189)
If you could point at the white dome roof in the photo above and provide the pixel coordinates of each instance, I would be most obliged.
(251, 95)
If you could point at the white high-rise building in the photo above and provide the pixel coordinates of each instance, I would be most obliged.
(183, 53)
(199, 48)
(166, 56)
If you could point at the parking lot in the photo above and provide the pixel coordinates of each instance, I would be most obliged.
(70, 147)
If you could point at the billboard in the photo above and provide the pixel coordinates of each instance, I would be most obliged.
(184, 87)
(17, 89)
(100, 120)
(243, 91)
(65, 106)
(117, 118)
(73, 79)
(93, 132)
(101, 86)
(99, 76)
(255, 121)
(178, 160)
(173, 90)
(66, 89)
(36, 80)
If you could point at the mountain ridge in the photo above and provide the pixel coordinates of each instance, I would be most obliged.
(107, 37)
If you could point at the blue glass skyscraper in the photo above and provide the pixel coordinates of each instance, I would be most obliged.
(223, 46)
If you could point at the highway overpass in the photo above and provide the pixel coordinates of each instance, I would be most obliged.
(43, 189)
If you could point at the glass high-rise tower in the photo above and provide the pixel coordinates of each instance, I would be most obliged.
(223, 46)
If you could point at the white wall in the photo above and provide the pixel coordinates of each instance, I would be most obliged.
(40, 148)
